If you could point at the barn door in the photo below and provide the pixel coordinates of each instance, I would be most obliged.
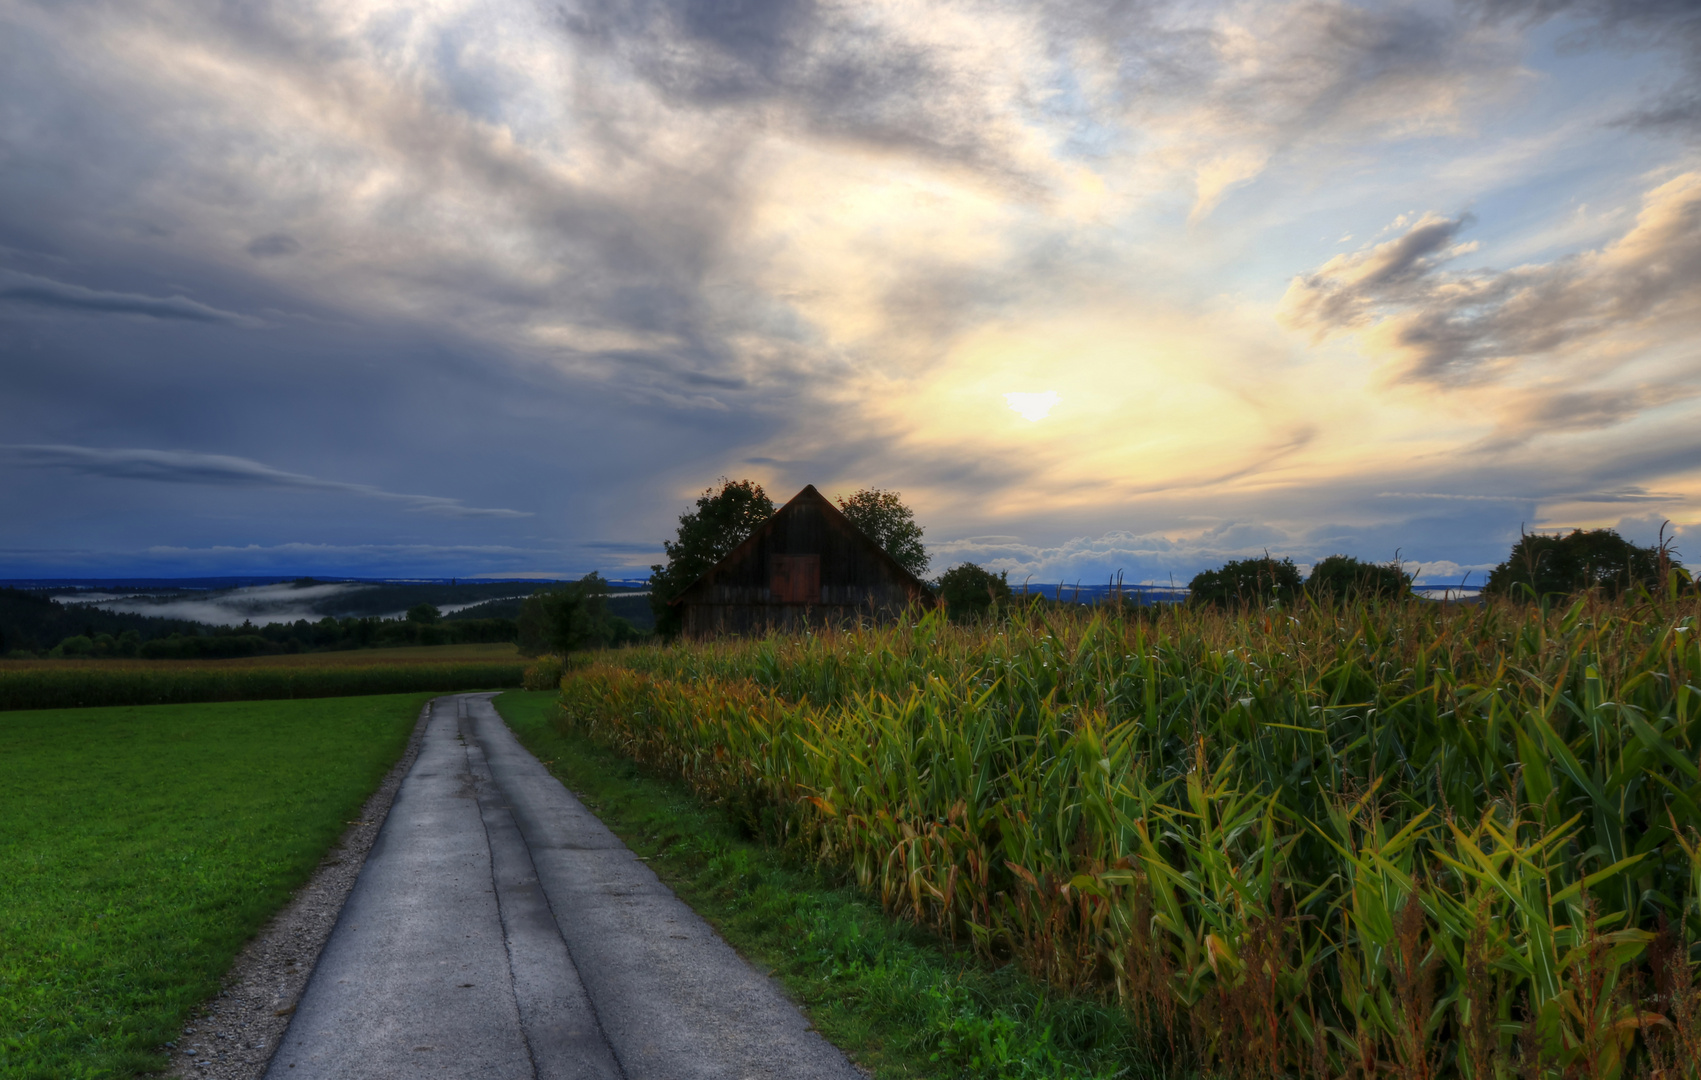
(794, 579)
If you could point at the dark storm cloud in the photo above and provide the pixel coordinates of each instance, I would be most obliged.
(181, 467)
(1454, 328)
(469, 229)
(844, 76)
(45, 292)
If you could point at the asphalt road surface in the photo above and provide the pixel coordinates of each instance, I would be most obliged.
(499, 930)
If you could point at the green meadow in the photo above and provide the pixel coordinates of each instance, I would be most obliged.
(141, 846)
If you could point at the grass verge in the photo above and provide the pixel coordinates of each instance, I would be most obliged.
(900, 1001)
(141, 846)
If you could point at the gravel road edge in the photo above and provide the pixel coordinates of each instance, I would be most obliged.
(234, 1035)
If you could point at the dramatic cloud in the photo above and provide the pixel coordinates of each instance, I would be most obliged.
(1463, 327)
(179, 467)
(579, 259)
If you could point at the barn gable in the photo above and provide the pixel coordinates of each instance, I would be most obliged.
(807, 565)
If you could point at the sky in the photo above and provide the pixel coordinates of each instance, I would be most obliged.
(498, 287)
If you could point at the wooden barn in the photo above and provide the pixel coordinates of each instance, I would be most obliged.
(805, 566)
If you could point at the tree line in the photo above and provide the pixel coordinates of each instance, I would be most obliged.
(1540, 566)
(33, 626)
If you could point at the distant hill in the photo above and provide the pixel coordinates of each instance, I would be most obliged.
(33, 621)
(38, 618)
(634, 609)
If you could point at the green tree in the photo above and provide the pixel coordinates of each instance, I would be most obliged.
(570, 617)
(884, 519)
(724, 517)
(419, 613)
(1246, 581)
(971, 591)
(1341, 577)
(1599, 558)
(75, 645)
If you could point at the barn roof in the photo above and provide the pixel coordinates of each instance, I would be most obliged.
(831, 515)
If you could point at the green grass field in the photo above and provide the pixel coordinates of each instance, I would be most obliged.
(882, 990)
(141, 846)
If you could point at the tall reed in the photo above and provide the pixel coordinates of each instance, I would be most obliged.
(1405, 840)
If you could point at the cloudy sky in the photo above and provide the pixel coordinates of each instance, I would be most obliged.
(460, 288)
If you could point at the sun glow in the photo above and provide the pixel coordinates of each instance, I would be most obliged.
(1033, 407)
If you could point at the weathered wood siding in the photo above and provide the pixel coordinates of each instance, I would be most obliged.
(743, 595)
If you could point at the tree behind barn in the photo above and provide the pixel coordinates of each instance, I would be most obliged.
(884, 519)
(724, 517)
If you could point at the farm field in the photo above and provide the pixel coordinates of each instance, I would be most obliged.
(141, 846)
(1411, 840)
(476, 652)
(881, 990)
(38, 684)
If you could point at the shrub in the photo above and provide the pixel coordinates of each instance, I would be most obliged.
(543, 675)
(1246, 581)
(1543, 565)
(570, 617)
(1342, 577)
(208, 647)
(75, 645)
(970, 591)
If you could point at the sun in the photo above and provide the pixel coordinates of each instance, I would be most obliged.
(1033, 407)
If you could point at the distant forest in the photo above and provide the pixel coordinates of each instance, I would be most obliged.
(34, 624)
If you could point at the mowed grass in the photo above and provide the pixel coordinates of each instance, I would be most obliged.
(882, 990)
(141, 846)
(46, 684)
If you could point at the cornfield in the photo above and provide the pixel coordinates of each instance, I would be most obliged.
(1399, 840)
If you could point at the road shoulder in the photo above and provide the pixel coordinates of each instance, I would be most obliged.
(233, 1036)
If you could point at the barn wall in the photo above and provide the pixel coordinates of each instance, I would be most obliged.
(857, 581)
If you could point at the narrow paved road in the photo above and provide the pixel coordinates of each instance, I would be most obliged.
(499, 930)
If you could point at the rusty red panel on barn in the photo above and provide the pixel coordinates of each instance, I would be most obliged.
(794, 579)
